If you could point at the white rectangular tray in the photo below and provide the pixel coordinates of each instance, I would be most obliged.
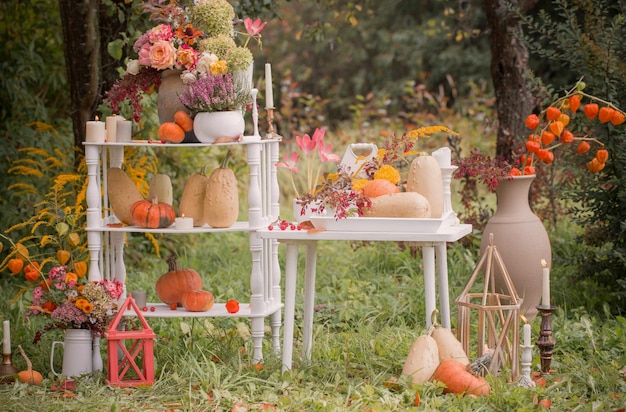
(378, 224)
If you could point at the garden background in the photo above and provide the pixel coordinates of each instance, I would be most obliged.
(363, 70)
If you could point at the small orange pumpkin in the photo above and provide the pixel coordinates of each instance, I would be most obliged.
(379, 187)
(152, 214)
(196, 300)
(458, 380)
(183, 119)
(171, 132)
(29, 375)
(171, 286)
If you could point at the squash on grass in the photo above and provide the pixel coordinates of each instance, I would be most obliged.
(449, 346)
(423, 359)
(221, 199)
(172, 285)
(122, 194)
(458, 380)
(161, 188)
(192, 200)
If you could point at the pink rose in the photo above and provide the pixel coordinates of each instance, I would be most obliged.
(162, 55)
(144, 55)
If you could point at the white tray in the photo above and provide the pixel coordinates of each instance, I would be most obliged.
(378, 224)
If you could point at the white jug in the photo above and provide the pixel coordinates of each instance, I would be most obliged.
(77, 353)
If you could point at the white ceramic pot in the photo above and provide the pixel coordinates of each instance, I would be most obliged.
(210, 126)
(77, 353)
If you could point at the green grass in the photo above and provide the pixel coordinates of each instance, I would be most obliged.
(370, 310)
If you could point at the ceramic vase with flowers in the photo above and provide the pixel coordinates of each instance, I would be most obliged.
(188, 44)
(80, 308)
(519, 234)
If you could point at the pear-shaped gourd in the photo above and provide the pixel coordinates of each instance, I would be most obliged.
(192, 201)
(161, 188)
(122, 194)
(221, 199)
(425, 178)
(423, 359)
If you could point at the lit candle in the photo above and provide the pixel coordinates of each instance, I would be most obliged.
(545, 298)
(183, 223)
(111, 127)
(269, 93)
(124, 130)
(526, 334)
(6, 337)
(95, 131)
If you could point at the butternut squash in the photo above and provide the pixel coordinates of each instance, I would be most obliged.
(425, 178)
(192, 200)
(122, 194)
(161, 188)
(399, 205)
(221, 199)
(423, 359)
(449, 346)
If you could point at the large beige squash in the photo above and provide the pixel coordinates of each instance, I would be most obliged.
(161, 188)
(422, 360)
(425, 178)
(122, 194)
(399, 205)
(449, 346)
(192, 201)
(221, 199)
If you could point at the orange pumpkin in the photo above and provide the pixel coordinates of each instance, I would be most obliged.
(171, 286)
(183, 119)
(152, 214)
(171, 132)
(458, 380)
(196, 300)
(379, 187)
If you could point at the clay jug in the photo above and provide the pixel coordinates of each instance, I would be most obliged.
(521, 239)
(168, 102)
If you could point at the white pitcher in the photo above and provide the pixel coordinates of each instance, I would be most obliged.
(77, 353)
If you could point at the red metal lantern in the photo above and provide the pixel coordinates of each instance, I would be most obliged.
(135, 347)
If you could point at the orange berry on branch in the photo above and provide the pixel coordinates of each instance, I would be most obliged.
(532, 146)
(583, 147)
(547, 137)
(594, 165)
(605, 114)
(529, 170)
(552, 113)
(563, 118)
(591, 110)
(574, 103)
(567, 137)
(532, 121)
(602, 155)
(617, 118)
(15, 265)
(556, 127)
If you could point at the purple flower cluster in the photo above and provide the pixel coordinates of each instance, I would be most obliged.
(212, 93)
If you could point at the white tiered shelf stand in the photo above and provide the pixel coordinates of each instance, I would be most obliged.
(105, 235)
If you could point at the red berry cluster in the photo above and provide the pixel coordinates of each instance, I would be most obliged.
(284, 225)
(145, 309)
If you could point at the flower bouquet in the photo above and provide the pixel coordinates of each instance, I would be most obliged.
(198, 41)
(67, 301)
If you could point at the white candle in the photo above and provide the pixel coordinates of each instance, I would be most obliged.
(526, 334)
(183, 223)
(269, 93)
(545, 298)
(124, 131)
(6, 337)
(111, 127)
(443, 156)
(95, 131)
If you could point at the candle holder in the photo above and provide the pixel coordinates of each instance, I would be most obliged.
(271, 134)
(527, 359)
(545, 342)
(7, 370)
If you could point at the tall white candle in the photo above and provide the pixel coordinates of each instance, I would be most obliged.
(545, 297)
(526, 334)
(111, 127)
(269, 93)
(124, 130)
(6, 337)
(95, 131)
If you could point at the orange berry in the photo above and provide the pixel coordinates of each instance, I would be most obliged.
(583, 147)
(556, 127)
(594, 166)
(532, 146)
(532, 121)
(552, 113)
(515, 172)
(602, 155)
(605, 114)
(574, 103)
(591, 110)
(567, 136)
(15, 265)
(547, 137)
(617, 118)
(563, 118)
(529, 170)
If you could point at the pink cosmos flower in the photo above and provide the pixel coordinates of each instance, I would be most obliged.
(253, 27)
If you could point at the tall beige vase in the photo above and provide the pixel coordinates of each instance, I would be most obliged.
(521, 239)
(168, 102)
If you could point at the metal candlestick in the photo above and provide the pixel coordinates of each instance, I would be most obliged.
(546, 342)
(527, 358)
(7, 370)
(271, 134)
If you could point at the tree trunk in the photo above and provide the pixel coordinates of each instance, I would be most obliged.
(509, 64)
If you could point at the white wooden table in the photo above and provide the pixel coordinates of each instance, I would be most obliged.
(434, 253)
